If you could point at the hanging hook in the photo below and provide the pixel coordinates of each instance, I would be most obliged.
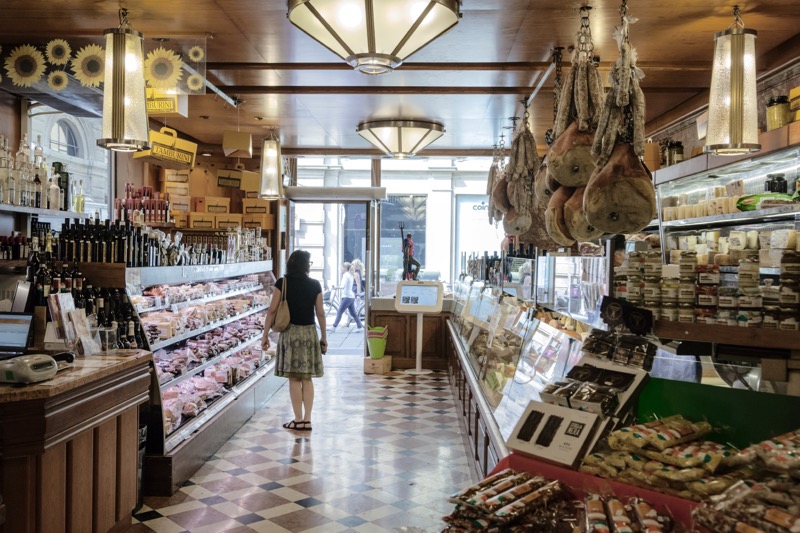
(123, 17)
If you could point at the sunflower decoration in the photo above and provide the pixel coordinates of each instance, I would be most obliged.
(195, 82)
(162, 69)
(89, 65)
(196, 54)
(58, 52)
(25, 65)
(57, 80)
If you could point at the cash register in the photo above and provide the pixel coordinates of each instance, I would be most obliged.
(15, 365)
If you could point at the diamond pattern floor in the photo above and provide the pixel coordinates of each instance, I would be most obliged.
(384, 454)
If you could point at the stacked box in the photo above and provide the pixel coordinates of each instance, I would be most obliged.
(264, 222)
(202, 220)
(255, 206)
(225, 221)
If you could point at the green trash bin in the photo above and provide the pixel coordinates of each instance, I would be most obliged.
(376, 341)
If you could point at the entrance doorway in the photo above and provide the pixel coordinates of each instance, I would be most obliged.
(335, 232)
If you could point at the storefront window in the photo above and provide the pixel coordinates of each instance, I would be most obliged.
(410, 211)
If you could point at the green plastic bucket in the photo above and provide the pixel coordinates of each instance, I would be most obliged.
(376, 341)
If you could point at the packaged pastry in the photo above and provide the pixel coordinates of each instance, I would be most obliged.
(596, 518)
(619, 516)
(595, 398)
(676, 431)
(707, 454)
(511, 495)
(642, 478)
(522, 504)
(717, 521)
(633, 437)
(467, 493)
(478, 499)
(672, 473)
(648, 519)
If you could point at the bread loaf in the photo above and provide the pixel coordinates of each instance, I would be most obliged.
(620, 197)
(554, 217)
(575, 218)
(570, 158)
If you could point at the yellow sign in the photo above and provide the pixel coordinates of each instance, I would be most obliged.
(160, 103)
(167, 150)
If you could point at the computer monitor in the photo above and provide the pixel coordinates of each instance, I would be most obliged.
(15, 333)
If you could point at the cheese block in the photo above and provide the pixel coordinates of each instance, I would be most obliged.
(784, 239)
(723, 260)
(722, 245)
(735, 188)
(741, 255)
(752, 240)
(687, 242)
(712, 236)
(763, 239)
(770, 258)
(737, 240)
(674, 257)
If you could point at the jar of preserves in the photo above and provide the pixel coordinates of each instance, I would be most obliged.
(771, 318)
(621, 287)
(790, 264)
(750, 298)
(669, 312)
(728, 297)
(652, 264)
(653, 307)
(686, 290)
(633, 288)
(705, 315)
(790, 320)
(688, 263)
(686, 313)
(707, 295)
(778, 112)
(789, 295)
(669, 290)
(708, 274)
(727, 317)
(651, 289)
(750, 318)
(748, 273)
(635, 263)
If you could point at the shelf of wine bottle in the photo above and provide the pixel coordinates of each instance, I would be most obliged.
(13, 263)
(8, 208)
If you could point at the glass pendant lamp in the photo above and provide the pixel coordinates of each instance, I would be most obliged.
(400, 139)
(271, 174)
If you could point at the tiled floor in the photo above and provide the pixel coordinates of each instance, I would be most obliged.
(384, 454)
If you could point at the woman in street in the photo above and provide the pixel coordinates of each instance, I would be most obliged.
(348, 302)
(299, 349)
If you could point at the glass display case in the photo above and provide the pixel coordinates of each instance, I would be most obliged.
(574, 285)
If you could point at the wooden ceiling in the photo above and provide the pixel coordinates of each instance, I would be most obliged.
(471, 79)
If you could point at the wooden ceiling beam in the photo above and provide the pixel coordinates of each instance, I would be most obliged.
(371, 152)
(699, 66)
(240, 90)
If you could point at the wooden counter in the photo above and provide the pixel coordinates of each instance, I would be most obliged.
(69, 446)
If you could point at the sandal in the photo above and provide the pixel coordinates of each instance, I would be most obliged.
(307, 425)
(296, 426)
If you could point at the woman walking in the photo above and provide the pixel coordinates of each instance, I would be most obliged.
(348, 303)
(299, 350)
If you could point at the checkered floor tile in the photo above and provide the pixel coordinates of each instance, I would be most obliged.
(384, 454)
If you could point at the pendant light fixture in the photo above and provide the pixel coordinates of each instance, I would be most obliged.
(271, 174)
(400, 139)
(732, 108)
(124, 101)
(374, 36)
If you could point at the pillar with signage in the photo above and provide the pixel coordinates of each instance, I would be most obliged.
(419, 297)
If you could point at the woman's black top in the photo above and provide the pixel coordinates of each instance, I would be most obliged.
(301, 293)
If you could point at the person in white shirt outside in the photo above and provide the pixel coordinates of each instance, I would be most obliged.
(348, 302)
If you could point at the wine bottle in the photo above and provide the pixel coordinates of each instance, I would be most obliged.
(43, 280)
(131, 335)
(66, 279)
(37, 191)
(77, 280)
(79, 200)
(33, 262)
(3, 170)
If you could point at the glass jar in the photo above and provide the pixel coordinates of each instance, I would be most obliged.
(778, 112)
(633, 289)
(686, 313)
(790, 263)
(772, 318)
(790, 320)
(728, 297)
(688, 264)
(748, 273)
(669, 290)
(652, 264)
(651, 290)
(705, 315)
(653, 307)
(621, 287)
(669, 312)
(635, 263)
(708, 274)
(750, 318)
(686, 290)
(707, 295)
(790, 293)
(727, 317)
(674, 152)
(750, 298)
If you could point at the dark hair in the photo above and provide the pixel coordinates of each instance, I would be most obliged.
(408, 235)
(299, 263)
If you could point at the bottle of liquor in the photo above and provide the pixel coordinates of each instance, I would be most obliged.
(63, 184)
(137, 332)
(77, 280)
(33, 262)
(43, 280)
(3, 170)
(38, 153)
(66, 279)
(132, 335)
(36, 190)
(101, 312)
(79, 200)
(53, 194)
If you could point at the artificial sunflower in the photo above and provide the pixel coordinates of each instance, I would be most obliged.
(25, 65)
(195, 82)
(89, 65)
(57, 80)
(162, 69)
(58, 52)
(196, 54)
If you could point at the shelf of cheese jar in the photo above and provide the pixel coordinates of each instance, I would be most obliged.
(739, 336)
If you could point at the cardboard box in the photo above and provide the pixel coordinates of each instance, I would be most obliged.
(237, 177)
(175, 189)
(264, 222)
(652, 156)
(168, 151)
(553, 433)
(202, 220)
(794, 99)
(794, 131)
(211, 204)
(225, 221)
(164, 104)
(378, 366)
(176, 176)
(180, 204)
(181, 219)
(255, 206)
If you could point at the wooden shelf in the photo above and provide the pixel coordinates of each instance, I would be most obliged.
(752, 337)
(13, 263)
(8, 208)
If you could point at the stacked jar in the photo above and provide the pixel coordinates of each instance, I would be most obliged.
(670, 284)
(750, 298)
(635, 283)
(651, 285)
(789, 298)
(687, 290)
(708, 278)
